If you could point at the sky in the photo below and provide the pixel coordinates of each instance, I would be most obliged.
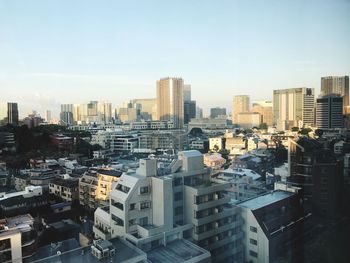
(64, 51)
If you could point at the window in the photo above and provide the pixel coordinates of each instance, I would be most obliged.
(119, 205)
(253, 229)
(253, 242)
(253, 253)
(144, 190)
(122, 188)
(178, 210)
(132, 222)
(145, 205)
(143, 221)
(178, 196)
(132, 206)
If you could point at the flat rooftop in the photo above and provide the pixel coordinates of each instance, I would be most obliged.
(266, 199)
(124, 251)
(177, 251)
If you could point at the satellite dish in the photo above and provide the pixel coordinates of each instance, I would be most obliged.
(59, 253)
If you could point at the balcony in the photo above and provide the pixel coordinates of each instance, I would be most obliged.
(100, 232)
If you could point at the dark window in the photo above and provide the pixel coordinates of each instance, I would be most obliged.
(253, 229)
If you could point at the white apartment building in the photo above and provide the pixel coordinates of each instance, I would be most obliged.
(153, 206)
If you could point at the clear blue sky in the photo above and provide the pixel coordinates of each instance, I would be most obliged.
(68, 51)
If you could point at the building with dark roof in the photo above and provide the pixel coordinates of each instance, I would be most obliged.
(315, 170)
(65, 189)
(272, 225)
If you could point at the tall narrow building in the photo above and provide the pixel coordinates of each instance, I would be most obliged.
(293, 108)
(187, 92)
(336, 85)
(329, 112)
(170, 103)
(240, 104)
(12, 113)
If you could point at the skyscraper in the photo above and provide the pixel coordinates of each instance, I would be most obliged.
(329, 112)
(240, 104)
(3, 111)
(170, 103)
(12, 113)
(336, 85)
(187, 92)
(293, 108)
(265, 109)
(189, 110)
(66, 115)
(48, 116)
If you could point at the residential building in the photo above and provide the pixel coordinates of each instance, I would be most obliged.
(293, 108)
(213, 160)
(162, 140)
(245, 183)
(124, 142)
(217, 112)
(240, 104)
(22, 201)
(265, 109)
(170, 103)
(95, 186)
(329, 112)
(248, 120)
(10, 248)
(208, 124)
(150, 207)
(336, 85)
(12, 113)
(22, 229)
(272, 226)
(65, 189)
(216, 144)
(317, 172)
(151, 125)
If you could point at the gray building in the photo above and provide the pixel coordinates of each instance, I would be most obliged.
(189, 111)
(216, 112)
(329, 112)
(12, 113)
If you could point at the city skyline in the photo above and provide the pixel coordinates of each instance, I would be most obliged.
(224, 50)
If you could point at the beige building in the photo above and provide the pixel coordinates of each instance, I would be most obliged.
(265, 109)
(66, 189)
(293, 108)
(241, 103)
(216, 143)
(336, 85)
(248, 120)
(95, 186)
(147, 107)
(170, 103)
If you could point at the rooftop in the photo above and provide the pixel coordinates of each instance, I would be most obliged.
(266, 199)
(125, 251)
(177, 251)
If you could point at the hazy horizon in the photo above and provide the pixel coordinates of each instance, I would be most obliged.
(54, 52)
